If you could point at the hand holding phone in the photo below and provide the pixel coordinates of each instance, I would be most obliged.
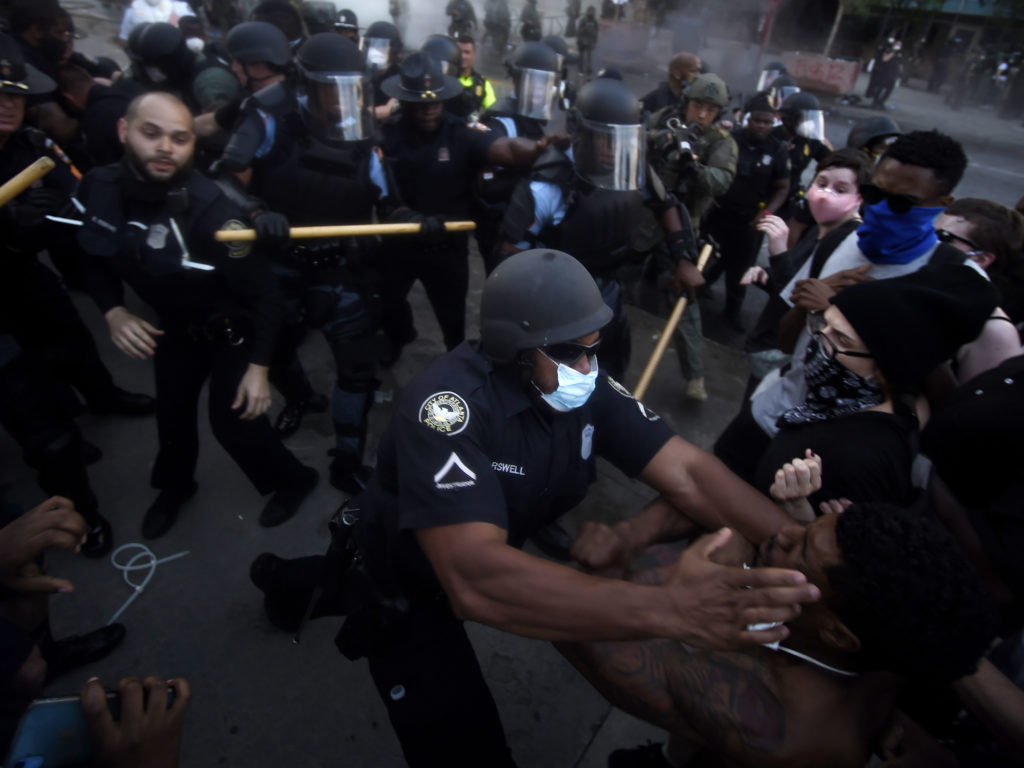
(148, 731)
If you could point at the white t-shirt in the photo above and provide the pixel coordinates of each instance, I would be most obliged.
(140, 12)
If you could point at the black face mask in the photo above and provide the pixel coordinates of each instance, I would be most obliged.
(832, 389)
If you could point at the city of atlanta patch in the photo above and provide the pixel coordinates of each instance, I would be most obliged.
(445, 412)
(618, 387)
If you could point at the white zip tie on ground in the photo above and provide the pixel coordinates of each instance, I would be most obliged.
(150, 564)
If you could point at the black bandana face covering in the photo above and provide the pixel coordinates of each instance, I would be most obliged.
(832, 389)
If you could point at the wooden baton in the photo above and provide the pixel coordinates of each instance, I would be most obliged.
(666, 334)
(345, 230)
(25, 179)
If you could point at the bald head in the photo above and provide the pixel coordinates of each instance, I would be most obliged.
(683, 68)
(158, 136)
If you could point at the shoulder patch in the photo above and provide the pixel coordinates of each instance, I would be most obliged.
(237, 249)
(618, 387)
(445, 412)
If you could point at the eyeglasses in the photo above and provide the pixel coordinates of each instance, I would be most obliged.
(945, 236)
(816, 325)
(568, 352)
(898, 204)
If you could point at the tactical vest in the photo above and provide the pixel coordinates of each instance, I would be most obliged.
(152, 246)
(598, 225)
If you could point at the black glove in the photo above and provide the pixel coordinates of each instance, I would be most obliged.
(432, 229)
(45, 199)
(271, 228)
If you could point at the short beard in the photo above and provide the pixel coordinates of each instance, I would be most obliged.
(143, 173)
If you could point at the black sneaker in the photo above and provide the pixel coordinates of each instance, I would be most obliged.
(287, 587)
(647, 756)
(99, 540)
(164, 511)
(65, 655)
(290, 418)
(288, 498)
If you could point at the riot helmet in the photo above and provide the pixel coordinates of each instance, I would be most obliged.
(607, 131)
(534, 70)
(331, 88)
(446, 51)
(769, 73)
(557, 44)
(782, 88)
(536, 298)
(865, 134)
(803, 115)
(160, 56)
(382, 45)
(258, 41)
(318, 15)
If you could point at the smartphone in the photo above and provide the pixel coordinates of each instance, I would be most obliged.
(54, 732)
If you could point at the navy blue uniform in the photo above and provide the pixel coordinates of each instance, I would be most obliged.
(467, 444)
(216, 322)
(435, 175)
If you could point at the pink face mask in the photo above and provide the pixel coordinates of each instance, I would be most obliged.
(827, 206)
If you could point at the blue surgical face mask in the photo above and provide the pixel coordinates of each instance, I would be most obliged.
(574, 388)
(889, 238)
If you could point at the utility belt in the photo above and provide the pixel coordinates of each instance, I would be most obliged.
(335, 254)
(225, 329)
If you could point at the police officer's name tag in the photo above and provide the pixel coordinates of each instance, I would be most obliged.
(445, 412)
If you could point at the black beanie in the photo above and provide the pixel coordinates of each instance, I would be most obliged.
(913, 323)
(758, 103)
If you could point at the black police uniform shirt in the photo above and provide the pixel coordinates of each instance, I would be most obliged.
(758, 166)
(128, 235)
(435, 174)
(467, 444)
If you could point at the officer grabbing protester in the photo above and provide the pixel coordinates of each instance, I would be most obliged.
(493, 441)
(149, 221)
(314, 163)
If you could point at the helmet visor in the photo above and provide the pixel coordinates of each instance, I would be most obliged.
(766, 78)
(378, 52)
(610, 156)
(537, 93)
(783, 92)
(335, 105)
(812, 126)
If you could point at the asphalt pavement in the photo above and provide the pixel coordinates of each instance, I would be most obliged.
(262, 700)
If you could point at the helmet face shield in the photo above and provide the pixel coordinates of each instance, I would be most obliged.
(334, 105)
(812, 126)
(378, 52)
(538, 90)
(610, 156)
(766, 78)
(781, 93)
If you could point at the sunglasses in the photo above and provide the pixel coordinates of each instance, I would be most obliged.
(568, 352)
(945, 236)
(898, 204)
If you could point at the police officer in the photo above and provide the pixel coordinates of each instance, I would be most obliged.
(45, 346)
(462, 15)
(494, 440)
(682, 69)
(479, 93)
(592, 202)
(497, 24)
(586, 39)
(533, 70)
(316, 165)
(436, 158)
(150, 221)
(761, 185)
(873, 135)
(696, 173)
(530, 22)
(802, 130)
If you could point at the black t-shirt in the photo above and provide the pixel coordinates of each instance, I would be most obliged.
(758, 166)
(467, 444)
(659, 98)
(866, 456)
(104, 107)
(435, 174)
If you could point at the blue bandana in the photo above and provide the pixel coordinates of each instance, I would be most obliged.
(888, 238)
